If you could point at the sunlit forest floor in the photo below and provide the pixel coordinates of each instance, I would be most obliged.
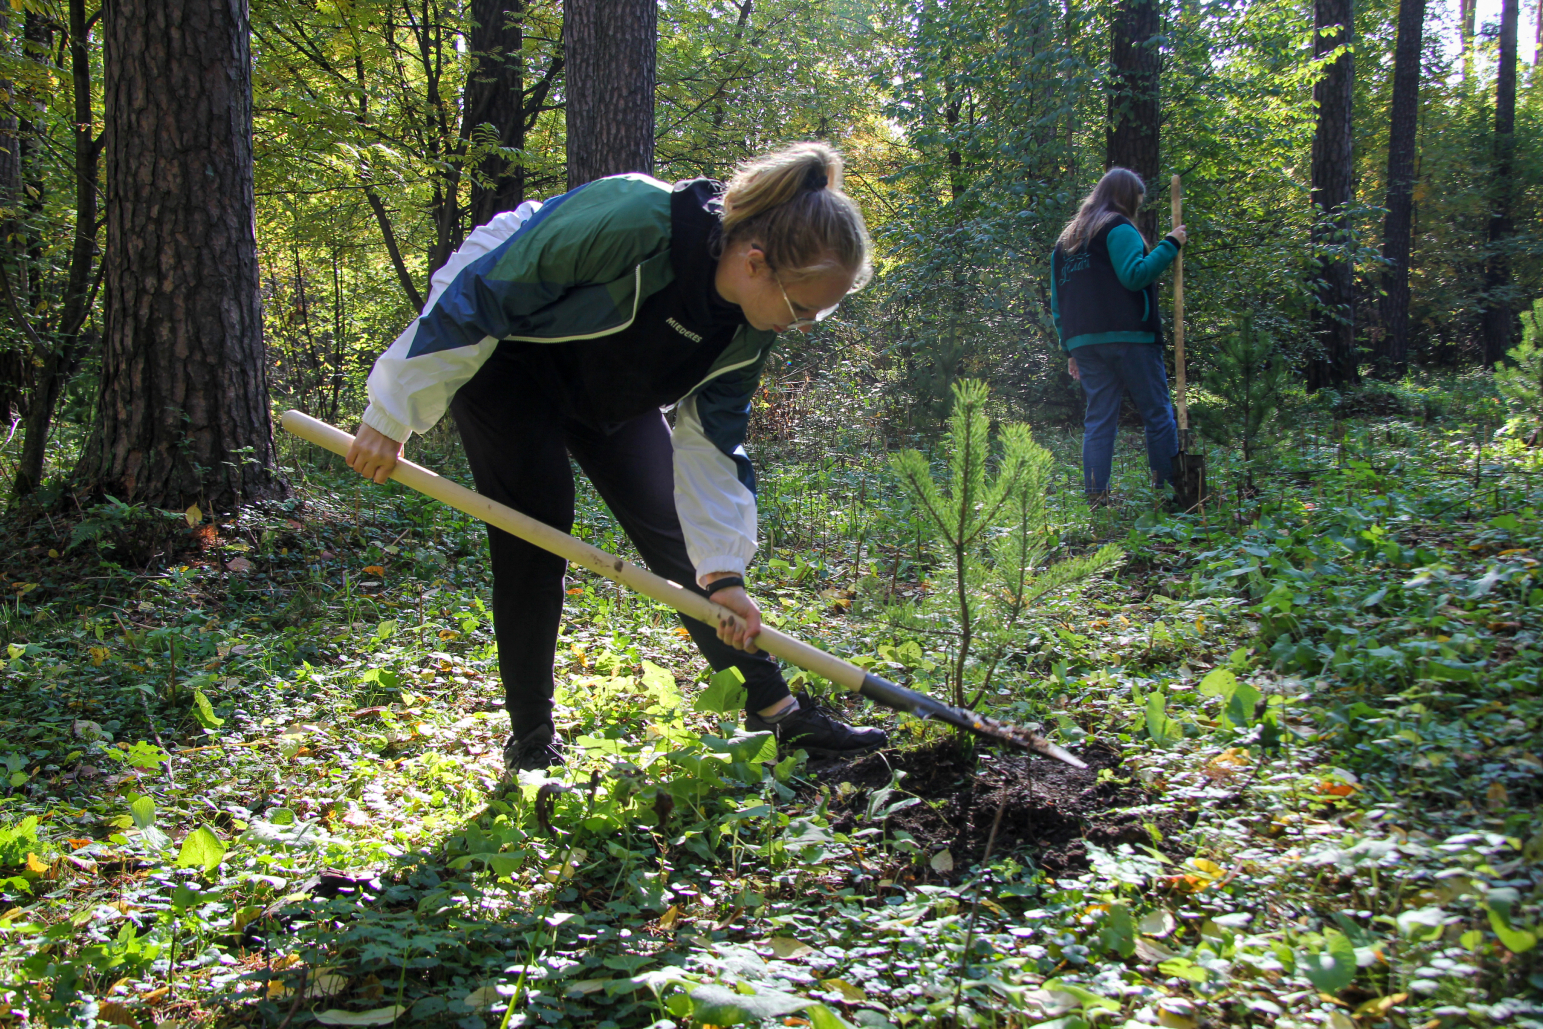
(253, 768)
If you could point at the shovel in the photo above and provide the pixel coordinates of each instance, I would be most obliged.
(1188, 469)
(793, 651)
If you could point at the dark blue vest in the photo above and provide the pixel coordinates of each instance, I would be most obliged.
(1091, 299)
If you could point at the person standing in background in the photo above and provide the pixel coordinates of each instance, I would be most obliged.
(1103, 297)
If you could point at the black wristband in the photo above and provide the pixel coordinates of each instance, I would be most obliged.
(725, 583)
(1175, 241)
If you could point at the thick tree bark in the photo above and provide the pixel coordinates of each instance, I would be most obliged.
(183, 409)
(1333, 183)
(1392, 347)
(495, 98)
(1132, 131)
(1500, 322)
(610, 47)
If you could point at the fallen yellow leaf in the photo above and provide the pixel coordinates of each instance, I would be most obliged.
(1378, 1007)
(852, 994)
(1496, 798)
(668, 919)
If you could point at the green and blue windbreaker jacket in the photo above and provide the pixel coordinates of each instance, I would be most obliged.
(577, 267)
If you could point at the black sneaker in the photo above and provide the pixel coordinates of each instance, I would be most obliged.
(537, 749)
(813, 730)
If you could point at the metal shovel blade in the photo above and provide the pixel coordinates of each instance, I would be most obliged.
(1189, 484)
(922, 706)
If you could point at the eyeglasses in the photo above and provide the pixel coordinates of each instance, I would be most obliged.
(804, 324)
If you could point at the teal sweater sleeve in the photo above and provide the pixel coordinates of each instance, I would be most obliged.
(1135, 268)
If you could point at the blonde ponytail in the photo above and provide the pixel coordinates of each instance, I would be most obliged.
(789, 204)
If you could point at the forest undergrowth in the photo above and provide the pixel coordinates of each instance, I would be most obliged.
(253, 768)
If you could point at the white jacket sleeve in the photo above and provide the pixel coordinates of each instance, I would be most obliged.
(716, 509)
(409, 394)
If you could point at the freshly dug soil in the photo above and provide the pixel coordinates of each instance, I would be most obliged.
(1052, 810)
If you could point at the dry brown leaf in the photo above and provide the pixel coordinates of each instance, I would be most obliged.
(114, 1013)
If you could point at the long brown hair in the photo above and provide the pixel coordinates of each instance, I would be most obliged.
(1118, 193)
(789, 203)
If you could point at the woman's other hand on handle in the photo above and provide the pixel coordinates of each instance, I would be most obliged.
(741, 637)
(374, 454)
(1180, 234)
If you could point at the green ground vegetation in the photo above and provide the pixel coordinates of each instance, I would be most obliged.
(258, 782)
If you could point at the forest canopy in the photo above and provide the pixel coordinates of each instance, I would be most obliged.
(971, 131)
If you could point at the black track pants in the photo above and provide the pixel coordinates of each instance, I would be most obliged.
(518, 445)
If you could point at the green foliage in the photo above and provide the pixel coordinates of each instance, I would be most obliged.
(202, 850)
(725, 693)
(1368, 828)
(994, 527)
(1245, 379)
(204, 711)
(1331, 967)
(1519, 379)
(17, 841)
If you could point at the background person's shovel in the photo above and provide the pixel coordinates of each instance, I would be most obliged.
(683, 600)
(1188, 468)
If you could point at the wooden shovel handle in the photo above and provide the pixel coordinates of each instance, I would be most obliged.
(1176, 195)
(555, 541)
(681, 599)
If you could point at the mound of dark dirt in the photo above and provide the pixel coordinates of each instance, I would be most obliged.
(1052, 810)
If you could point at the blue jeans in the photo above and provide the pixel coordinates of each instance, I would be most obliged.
(1108, 370)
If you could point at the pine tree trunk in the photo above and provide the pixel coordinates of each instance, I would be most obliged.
(1133, 126)
(183, 409)
(610, 48)
(1333, 183)
(495, 97)
(1392, 346)
(1500, 321)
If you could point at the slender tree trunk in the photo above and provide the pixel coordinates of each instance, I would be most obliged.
(63, 357)
(1466, 11)
(183, 409)
(1333, 182)
(1537, 43)
(1133, 126)
(15, 369)
(39, 45)
(495, 100)
(1392, 346)
(610, 46)
(1500, 322)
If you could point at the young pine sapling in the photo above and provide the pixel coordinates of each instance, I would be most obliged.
(993, 522)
